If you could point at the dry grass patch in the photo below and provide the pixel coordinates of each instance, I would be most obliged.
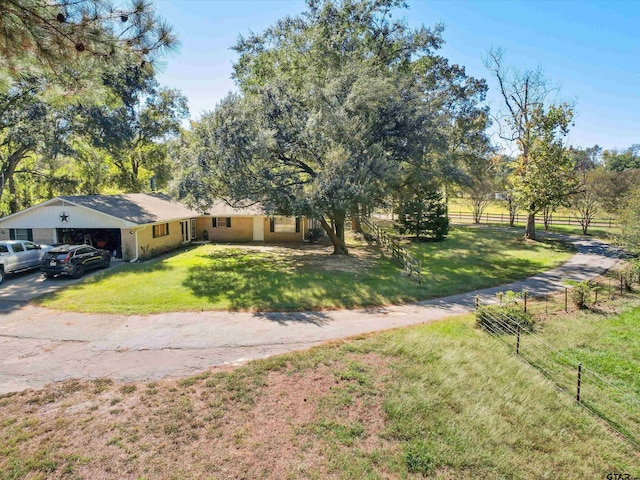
(221, 424)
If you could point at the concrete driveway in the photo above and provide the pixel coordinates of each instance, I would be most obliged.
(39, 346)
(25, 286)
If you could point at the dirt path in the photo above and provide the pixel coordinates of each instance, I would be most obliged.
(40, 346)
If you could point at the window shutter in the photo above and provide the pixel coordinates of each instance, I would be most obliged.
(228, 222)
(297, 224)
(214, 222)
(272, 224)
(30, 234)
(166, 229)
(12, 234)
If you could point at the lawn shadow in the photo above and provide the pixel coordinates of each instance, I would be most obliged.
(317, 318)
(292, 279)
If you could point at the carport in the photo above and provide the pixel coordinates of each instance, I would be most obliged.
(106, 238)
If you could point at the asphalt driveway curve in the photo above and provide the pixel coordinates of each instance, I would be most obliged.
(40, 346)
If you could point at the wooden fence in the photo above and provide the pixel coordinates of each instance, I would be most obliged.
(409, 263)
(520, 218)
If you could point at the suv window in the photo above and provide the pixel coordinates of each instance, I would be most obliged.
(17, 247)
(4, 248)
(30, 246)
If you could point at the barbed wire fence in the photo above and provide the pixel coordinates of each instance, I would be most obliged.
(592, 390)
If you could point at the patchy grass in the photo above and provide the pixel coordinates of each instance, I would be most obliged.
(472, 258)
(222, 277)
(439, 401)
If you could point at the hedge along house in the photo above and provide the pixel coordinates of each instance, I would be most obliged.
(224, 223)
(134, 226)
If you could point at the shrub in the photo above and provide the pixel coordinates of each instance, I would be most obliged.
(509, 298)
(503, 319)
(314, 234)
(581, 292)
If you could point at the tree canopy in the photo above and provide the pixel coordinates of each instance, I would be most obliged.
(332, 104)
(60, 32)
(66, 66)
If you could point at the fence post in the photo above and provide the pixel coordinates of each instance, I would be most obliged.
(525, 300)
(546, 304)
(621, 284)
(477, 301)
(518, 342)
(566, 299)
(579, 382)
(596, 289)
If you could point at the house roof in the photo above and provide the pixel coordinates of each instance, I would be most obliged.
(220, 208)
(140, 208)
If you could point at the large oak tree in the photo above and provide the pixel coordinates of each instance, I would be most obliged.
(331, 104)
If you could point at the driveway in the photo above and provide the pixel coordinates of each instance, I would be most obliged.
(23, 287)
(39, 346)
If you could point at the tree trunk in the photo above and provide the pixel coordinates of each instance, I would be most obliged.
(336, 236)
(512, 211)
(13, 201)
(355, 220)
(530, 231)
(9, 167)
(547, 218)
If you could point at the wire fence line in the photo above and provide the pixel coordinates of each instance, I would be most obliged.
(409, 263)
(592, 390)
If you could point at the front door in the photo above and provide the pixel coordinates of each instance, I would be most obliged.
(258, 229)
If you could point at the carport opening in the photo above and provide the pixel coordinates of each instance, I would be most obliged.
(106, 238)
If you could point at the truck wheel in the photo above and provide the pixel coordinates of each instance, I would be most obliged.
(1, 275)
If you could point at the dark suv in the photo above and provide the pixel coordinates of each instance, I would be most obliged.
(73, 260)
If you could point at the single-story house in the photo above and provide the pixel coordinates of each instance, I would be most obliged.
(249, 224)
(141, 225)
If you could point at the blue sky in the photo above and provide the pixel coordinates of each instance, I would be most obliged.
(591, 49)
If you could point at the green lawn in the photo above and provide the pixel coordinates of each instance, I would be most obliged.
(222, 277)
(442, 400)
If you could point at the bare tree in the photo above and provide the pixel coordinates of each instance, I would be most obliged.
(536, 123)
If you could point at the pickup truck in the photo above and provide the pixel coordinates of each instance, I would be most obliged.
(19, 255)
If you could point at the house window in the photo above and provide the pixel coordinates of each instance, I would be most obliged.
(222, 222)
(285, 224)
(21, 234)
(161, 230)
